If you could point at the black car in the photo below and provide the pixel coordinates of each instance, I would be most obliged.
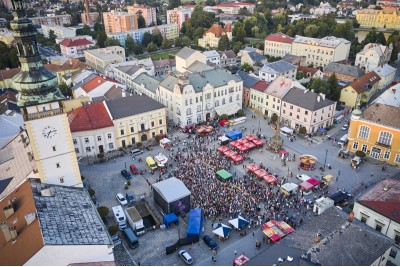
(210, 242)
(126, 174)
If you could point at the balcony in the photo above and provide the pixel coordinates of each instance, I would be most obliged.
(143, 130)
(383, 145)
(43, 114)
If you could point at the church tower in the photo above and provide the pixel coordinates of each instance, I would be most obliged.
(41, 104)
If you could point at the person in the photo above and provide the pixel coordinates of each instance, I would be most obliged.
(235, 252)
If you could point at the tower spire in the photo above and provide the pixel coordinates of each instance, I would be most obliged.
(36, 84)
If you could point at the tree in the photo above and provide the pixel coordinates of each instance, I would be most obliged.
(101, 39)
(302, 130)
(182, 41)
(165, 44)
(137, 49)
(141, 20)
(147, 38)
(91, 192)
(103, 211)
(223, 117)
(112, 230)
(174, 3)
(300, 75)
(111, 42)
(52, 35)
(246, 67)
(274, 118)
(240, 113)
(197, 34)
(129, 44)
(237, 46)
(151, 47)
(360, 154)
(394, 55)
(157, 37)
(65, 90)
(319, 86)
(224, 43)
(334, 91)
(239, 32)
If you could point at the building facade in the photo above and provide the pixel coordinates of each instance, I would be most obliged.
(343, 72)
(388, 18)
(233, 8)
(387, 74)
(228, 58)
(55, 20)
(372, 56)
(376, 131)
(212, 36)
(271, 71)
(74, 48)
(148, 13)
(178, 16)
(278, 44)
(115, 22)
(59, 31)
(93, 17)
(100, 58)
(274, 94)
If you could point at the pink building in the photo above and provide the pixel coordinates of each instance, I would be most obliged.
(148, 13)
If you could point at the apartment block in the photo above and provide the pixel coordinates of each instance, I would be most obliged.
(59, 31)
(178, 16)
(115, 22)
(372, 56)
(278, 44)
(59, 20)
(100, 58)
(148, 13)
(233, 8)
(168, 31)
(93, 17)
(388, 18)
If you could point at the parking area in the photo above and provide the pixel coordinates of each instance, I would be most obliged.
(107, 181)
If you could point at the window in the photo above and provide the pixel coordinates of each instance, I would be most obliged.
(188, 111)
(58, 165)
(355, 145)
(364, 219)
(397, 159)
(305, 120)
(153, 134)
(98, 138)
(223, 101)
(109, 136)
(160, 122)
(61, 179)
(122, 132)
(291, 106)
(364, 148)
(161, 131)
(386, 155)
(76, 150)
(397, 239)
(88, 149)
(290, 114)
(132, 129)
(378, 227)
(198, 108)
(142, 127)
(111, 146)
(393, 253)
(152, 124)
(298, 109)
(54, 148)
(86, 140)
(297, 117)
(75, 141)
(385, 138)
(364, 132)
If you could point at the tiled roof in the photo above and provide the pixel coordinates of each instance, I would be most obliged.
(365, 81)
(384, 71)
(383, 114)
(306, 99)
(279, 37)
(344, 69)
(75, 42)
(256, 56)
(148, 82)
(279, 87)
(277, 67)
(306, 70)
(384, 198)
(114, 92)
(132, 105)
(260, 86)
(185, 52)
(228, 53)
(89, 117)
(8, 74)
(96, 82)
(216, 29)
(10, 127)
(249, 81)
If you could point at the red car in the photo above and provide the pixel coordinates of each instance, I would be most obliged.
(133, 168)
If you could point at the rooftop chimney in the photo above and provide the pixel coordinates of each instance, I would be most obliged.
(9, 209)
(9, 232)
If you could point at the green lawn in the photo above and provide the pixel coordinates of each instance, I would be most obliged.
(162, 55)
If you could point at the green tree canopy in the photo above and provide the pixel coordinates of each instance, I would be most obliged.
(334, 91)
(157, 37)
(111, 42)
(141, 21)
(129, 44)
(165, 44)
(101, 39)
(151, 47)
(224, 43)
(246, 67)
(147, 38)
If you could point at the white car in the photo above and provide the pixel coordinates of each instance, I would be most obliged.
(121, 199)
(345, 127)
(303, 177)
(185, 257)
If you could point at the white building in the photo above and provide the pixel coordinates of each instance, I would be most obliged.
(92, 130)
(95, 86)
(213, 57)
(75, 47)
(59, 31)
(186, 57)
(145, 84)
(145, 63)
(379, 208)
(126, 74)
(372, 56)
(178, 16)
(278, 44)
(100, 58)
(387, 74)
(271, 71)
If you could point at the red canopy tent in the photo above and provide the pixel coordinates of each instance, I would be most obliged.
(258, 142)
(230, 153)
(222, 149)
(234, 143)
(239, 261)
(270, 179)
(313, 181)
(275, 230)
(250, 145)
(223, 122)
(283, 151)
(283, 226)
(260, 173)
(306, 185)
(237, 158)
(268, 231)
(252, 167)
(242, 140)
(250, 137)
(242, 148)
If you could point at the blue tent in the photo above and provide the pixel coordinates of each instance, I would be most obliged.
(195, 222)
(322, 130)
(170, 218)
(222, 230)
(239, 222)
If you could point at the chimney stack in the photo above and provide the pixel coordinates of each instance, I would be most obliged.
(87, 12)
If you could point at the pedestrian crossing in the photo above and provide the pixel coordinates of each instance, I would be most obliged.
(178, 135)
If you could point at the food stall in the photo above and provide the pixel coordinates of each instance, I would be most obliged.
(327, 178)
(270, 179)
(165, 142)
(230, 153)
(242, 148)
(250, 137)
(252, 167)
(260, 173)
(161, 160)
(223, 149)
(239, 261)
(308, 162)
(306, 187)
(223, 175)
(258, 142)
(289, 188)
(250, 145)
(237, 159)
(314, 182)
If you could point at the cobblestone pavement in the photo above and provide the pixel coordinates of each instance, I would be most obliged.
(107, 181)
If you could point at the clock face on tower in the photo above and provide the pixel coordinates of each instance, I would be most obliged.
(49, 132)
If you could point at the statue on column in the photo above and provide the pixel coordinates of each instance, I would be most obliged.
(276, 142)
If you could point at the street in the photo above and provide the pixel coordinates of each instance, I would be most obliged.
(46, 52)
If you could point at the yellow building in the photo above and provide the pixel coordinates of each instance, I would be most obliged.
(388, 18)
(361, 90)
(376, 131)
(212, 36)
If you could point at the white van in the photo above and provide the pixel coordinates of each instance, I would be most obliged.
(286, 131)
(303, 177)
(343, 140)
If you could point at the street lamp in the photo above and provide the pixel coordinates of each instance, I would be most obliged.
(326, 155)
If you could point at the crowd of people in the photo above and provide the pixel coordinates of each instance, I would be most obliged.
(196, 165)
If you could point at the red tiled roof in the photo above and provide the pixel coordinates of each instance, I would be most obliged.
(89, 117)
(369, 79)
(96, 82)
(8, 74)
(217, 30)
(306, 70)
(228, 27)
(279, 37)
(260, 86)
(76, 42)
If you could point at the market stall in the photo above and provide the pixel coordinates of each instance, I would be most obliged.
(250, 145)
(239, 222)
(306, 186)
(230, 153)
(308, 162)
(242, 148)
(222, 230)
(223, 149)
(242, 140)
(252, 167)
(223, 175)
(313, 181)
(165, 142)
(260, 173)
(204, 129)
(237, 158)
(289, 188)
(234, 143)
(327, 178)
(258, 142)
(250, 137)
(276, 230)
(270, 179)
(239, 261)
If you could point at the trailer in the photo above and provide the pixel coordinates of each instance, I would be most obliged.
(119, 217)
(234, 135)
(135, 220)
(195, 223)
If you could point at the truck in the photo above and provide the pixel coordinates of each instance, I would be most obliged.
(343, 140)
(234, 135)
(119, 217)
(135, 220)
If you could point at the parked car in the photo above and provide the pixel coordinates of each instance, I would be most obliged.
(126, 174)
(133, 168)
(345, 127)
(136, 152)
(185, 257)
(121, 199)
(130, 197)
(210, 242)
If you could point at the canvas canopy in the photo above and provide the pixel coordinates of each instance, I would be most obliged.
(239, 222)
(252, 167)
(222, 149)
(289, 187)
(222, 230)
(171, 189)
(223, 174)
(270, 179)
(313, 181)
(237, 158)
(170, 218)
(250, 137)
(306, 185)
(260, 173)
(258, 142)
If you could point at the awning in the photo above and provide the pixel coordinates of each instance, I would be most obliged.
(228, 109)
